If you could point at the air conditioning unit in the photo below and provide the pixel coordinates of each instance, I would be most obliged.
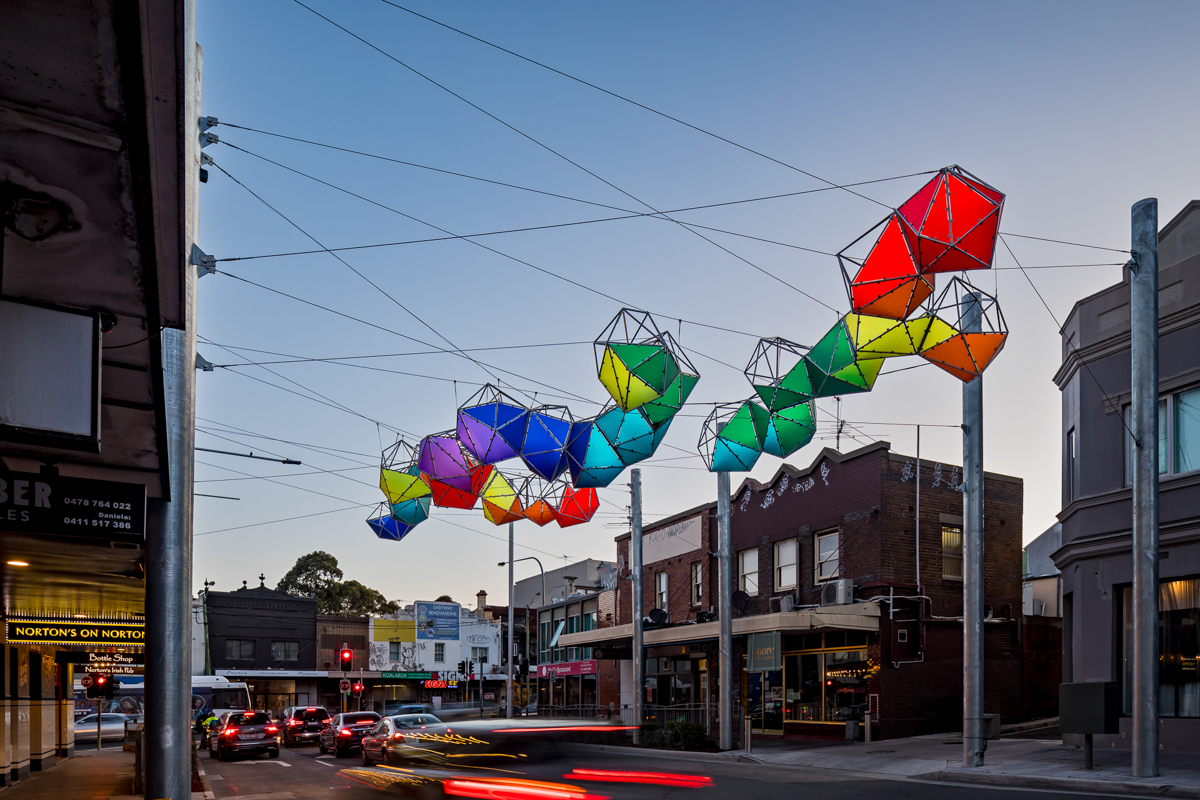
(837, 593)
(786, 603)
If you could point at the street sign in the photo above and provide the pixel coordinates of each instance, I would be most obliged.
(344, 685)
(85, 681)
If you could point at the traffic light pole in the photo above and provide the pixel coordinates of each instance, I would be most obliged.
(99, 706)
(508, 704)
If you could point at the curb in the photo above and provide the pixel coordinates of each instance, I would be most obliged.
(208, 790)
(1068, 784)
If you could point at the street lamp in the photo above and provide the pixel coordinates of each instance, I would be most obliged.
(527, 628)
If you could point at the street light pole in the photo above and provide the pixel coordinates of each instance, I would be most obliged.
(725, 609)
(1143, 351)
(635, 549)
(511, 600)
(972, 398)
(508, 705)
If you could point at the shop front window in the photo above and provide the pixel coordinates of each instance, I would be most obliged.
(545, 634)
(826, 685)
(1178, 648)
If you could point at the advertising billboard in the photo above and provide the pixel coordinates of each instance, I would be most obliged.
(437, 621)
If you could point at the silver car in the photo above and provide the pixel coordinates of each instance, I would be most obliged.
(112, 726)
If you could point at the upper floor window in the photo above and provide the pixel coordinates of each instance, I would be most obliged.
(439, 652)
(952, 552)
(285, 651)
(479, 655)
(393, 651)
(1178, 434)
(660, 590)
(748, 571)
(785, 564)
(239, 649)
(591, 612)
(827, 562)
(697, 584)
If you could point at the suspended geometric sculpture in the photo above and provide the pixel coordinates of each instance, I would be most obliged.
(832, 365)
(888, 282)
(387, 527)
(634, 360)
(882, 337)
(773, 374)
(630, 433)
(539, 500)
(447, 466)
(966, 354)
(491, 425)
(664, 408)
(789, 429)
(501, 496)
(412, 512)
(955, 217)
(593, 461)
(400, 477)
(733, 436)
(576, 506)
(544, 449)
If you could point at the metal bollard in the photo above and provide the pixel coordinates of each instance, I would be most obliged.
(867, 733)
(746, 743)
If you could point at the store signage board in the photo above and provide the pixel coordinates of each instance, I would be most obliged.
(568, 669)
(51, 504)
(408, 676)
(64, 633)
(674, 540)
(438, 621)
(765, 653)
(115, 664)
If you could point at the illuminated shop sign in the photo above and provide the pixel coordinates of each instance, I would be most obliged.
(36, 503)
(62, 632)
(436, 684)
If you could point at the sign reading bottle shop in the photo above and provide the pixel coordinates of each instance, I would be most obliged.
(114, 664)
(37, 503)
(126, 633)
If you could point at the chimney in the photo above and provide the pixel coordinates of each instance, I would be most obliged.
(480, 604)
(570, 584)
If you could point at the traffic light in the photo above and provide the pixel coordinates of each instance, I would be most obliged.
(346, 659)
(96, 688)
(111, 687)
(357, 689)
(524, 666)
(462, 668)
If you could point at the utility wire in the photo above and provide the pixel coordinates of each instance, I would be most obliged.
(1060, 241)
(1083, 362)
(565, 158)
(628, 100)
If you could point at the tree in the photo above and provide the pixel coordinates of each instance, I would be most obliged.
(444, 599)
(318, 575)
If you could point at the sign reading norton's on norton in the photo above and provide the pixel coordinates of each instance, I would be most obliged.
(71, 506)
(61, 632)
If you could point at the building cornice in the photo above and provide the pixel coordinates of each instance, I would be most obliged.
(1077, 357)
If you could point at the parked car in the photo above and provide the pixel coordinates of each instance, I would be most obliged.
(344, 732)
(243, 732)
(112, 726)
(404, 736)
(303, 724)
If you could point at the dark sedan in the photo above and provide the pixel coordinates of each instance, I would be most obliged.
(244, 732)
(344, 733)
(303, 724)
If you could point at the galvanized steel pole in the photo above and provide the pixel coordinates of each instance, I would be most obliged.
(508, 705)
(635, 551)
(168, 694)
(1143, 319)
(972, 396)
(725, 609)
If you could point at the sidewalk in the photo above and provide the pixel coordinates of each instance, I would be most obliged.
(1028, 763)
(89, 773)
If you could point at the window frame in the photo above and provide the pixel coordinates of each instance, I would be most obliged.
(479, 655)
(1072, 479)
(662, 592)
(795, 565)
(1168, 425)
(958, 526)
(743, 573)
(696, 575)
(439, 652)
(818, 563)
(285, 642)
(231, 640)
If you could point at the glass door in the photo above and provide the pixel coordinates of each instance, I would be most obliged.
(772, 702)
(754, 706)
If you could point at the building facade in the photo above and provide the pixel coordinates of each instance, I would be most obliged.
(576, 680)
(833, 620)
(1097, 506)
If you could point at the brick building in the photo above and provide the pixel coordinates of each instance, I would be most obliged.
(886, 641)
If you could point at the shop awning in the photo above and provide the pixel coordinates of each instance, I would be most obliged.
(853, 617)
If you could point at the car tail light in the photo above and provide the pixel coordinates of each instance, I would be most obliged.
(344, 732)
(229, 731)
(512, 789)
(272, 729)
(295, 722)
(659, 778)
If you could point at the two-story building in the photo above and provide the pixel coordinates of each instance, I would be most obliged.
(832, 617)
(1097, 505)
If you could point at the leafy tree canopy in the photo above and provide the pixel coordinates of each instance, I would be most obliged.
(318, 575)
(444, 599)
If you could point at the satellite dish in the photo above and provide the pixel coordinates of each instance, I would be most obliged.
(658, 616)
(740, 600)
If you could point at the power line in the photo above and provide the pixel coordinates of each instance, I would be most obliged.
(554, 152)
(1060, 241)
(628, 100)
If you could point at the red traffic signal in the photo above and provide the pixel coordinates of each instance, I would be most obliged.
(346, 657)
(358, 689)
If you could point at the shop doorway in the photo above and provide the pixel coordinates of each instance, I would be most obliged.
(764, 701)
